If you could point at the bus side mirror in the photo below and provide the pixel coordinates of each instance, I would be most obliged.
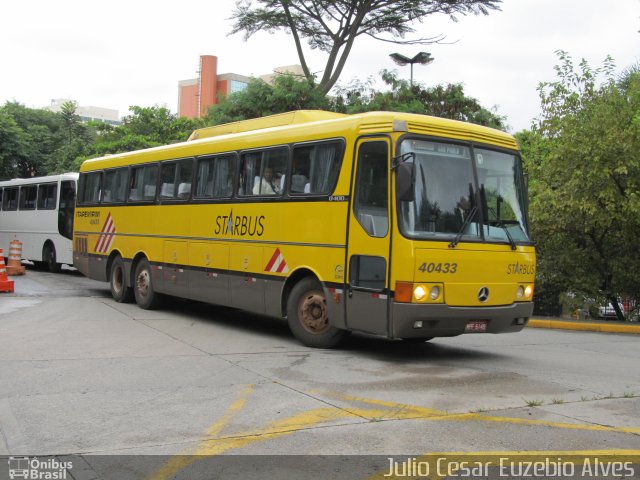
(406, 181)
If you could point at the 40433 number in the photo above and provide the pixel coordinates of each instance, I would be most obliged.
(438, 267)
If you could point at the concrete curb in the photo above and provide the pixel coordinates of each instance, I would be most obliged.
(583, 326)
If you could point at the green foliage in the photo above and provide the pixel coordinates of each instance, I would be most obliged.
(146, 127)
(260, 99)
(38, 142)
(289, 92)
(332, 26)
(35, 142)
(446, 101)
(583, 159)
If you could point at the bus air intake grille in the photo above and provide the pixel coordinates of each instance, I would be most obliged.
(376, 127)
(475, 136)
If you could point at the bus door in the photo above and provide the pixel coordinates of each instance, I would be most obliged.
(368, 239)
(66, 208)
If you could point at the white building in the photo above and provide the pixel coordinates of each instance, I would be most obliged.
(97, 114)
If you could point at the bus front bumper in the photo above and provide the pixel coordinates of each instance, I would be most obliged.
(417, 320)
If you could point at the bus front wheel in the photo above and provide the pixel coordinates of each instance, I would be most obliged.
(120, 290)
(49, 257)
(307, 316)
(146, 296)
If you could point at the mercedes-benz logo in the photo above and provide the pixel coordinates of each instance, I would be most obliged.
(483, 294)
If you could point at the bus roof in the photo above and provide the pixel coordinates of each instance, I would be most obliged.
(279, 120)
(45, 179)
(292, 127)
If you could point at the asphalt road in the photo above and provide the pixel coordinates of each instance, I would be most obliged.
(82, 374)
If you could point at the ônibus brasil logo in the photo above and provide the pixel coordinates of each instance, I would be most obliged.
(36, 469)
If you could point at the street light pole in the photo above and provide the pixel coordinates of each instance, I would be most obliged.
(423, 58)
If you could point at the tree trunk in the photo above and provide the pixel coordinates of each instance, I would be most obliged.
(616, 307)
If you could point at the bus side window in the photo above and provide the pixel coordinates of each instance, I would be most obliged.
(300, 168)
(215, 176)
(10, 200)
(28, 197)
(249, 170)
(143, 183)
(316, 168)
(175, 179)
(47, 194)
(115, 182)
(90, 184)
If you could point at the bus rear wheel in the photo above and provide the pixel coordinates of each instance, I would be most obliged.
(49, 257)
(307, 316)
(146, 296)
(120, 290)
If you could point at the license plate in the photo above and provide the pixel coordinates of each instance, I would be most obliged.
(478, 326)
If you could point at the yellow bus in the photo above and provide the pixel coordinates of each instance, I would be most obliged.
(400, 225)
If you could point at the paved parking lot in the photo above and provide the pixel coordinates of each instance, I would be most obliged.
(82, 374)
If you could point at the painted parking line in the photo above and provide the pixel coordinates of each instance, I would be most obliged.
(379, 411)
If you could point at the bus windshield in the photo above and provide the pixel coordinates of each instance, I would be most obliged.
(446, 194)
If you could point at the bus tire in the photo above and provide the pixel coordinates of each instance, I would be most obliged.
(120, 291)
(49, 257)
(145, 295)
(307, 316)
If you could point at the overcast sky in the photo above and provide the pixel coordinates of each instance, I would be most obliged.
(120, 53)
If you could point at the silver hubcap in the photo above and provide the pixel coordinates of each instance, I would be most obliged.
(143, 282)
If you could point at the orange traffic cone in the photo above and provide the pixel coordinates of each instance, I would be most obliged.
(6, 285)
(14, 267)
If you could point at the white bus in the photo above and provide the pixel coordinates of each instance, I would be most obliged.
(39, 212)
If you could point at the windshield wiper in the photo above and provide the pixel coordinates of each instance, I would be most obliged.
(504, 227)
(466, 222)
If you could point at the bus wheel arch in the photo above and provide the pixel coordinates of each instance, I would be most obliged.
(49, 257)
(121, 289)
(307, 314)
(291, 281)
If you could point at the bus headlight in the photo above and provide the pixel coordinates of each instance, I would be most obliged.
(419, 292)
(408, 292)
(435, 292)
(528, 292)
(524, 292)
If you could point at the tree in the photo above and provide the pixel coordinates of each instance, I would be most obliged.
(260, 98)
(446, 101)
(147, 127)
(332, 26)
(75, 141)
(30, 138)
(583, 158)
(12, 146)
